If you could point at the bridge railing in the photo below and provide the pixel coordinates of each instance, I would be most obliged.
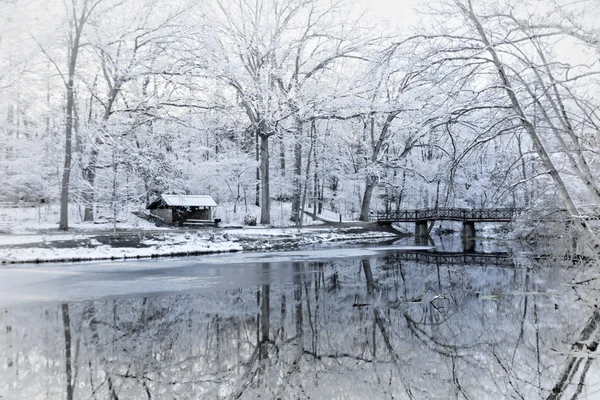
(446, 213)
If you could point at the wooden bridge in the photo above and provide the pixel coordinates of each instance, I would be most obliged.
(466, 216)
(447, 214)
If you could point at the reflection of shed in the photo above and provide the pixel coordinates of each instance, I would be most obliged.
(176, 209)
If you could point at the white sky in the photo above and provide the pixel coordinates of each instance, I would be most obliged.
(394, 11)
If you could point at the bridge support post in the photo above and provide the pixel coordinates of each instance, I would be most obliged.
(468, 245)
(421, 229)
(468, 229)
(421, 240)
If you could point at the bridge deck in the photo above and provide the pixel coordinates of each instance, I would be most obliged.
(447, 214)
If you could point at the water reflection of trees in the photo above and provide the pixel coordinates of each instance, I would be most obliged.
(372, 328)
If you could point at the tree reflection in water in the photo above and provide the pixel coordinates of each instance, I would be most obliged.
(372, 328)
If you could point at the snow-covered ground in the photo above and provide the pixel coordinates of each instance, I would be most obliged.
(31, 235)
(44, 218)
(280, 214)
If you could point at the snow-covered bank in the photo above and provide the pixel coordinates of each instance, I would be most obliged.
(88, 246)
(31, 235)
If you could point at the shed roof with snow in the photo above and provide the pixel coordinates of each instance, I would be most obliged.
(179, 200)
(188, 201)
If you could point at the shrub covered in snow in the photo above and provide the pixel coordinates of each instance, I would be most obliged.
(250, 220)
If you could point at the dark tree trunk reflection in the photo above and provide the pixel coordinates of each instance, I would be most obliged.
(265, 312)
(588, 342)
(366, 264)
(299, 319)
(68, 358)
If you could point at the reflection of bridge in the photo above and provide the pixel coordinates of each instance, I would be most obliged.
(446, 258)
(467, 217)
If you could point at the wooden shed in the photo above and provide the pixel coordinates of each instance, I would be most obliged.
(175, 209)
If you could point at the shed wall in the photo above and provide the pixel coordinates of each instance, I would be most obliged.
(201, 214)
(165, 213)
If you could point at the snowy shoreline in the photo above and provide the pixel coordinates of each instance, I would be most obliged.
(95, 246)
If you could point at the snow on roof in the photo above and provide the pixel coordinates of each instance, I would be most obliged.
(188, 201)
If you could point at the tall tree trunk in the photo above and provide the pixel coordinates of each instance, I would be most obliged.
(321, 196)
(523, 172)
(10, 120)
(259, 179)
(316, 195)
(401, 192)
(305, 187)
(265, 203)
(90, 171)
(378, 146)
(281, 156)
(297, 190)
(66, 175)
(89, 174)
(76, 26)
(365, 207)
(88, 214)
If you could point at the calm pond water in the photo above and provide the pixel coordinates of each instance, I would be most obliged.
(365, 322)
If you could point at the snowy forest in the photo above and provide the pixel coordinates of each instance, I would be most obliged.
(319, 103)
